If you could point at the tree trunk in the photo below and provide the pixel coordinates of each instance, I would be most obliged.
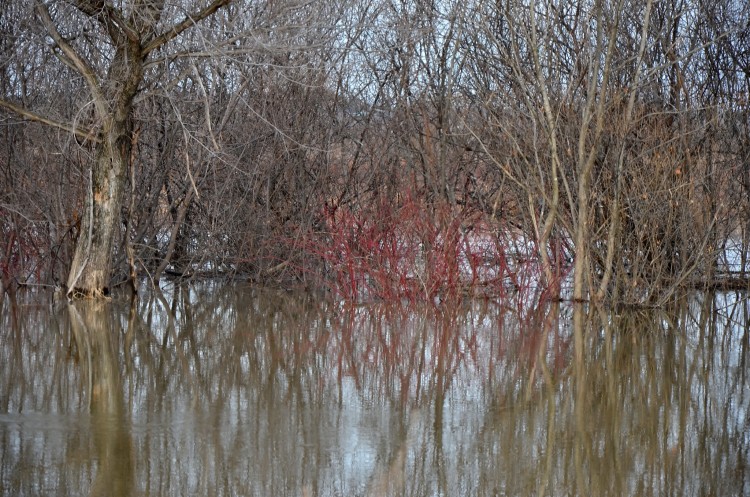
(90, 271)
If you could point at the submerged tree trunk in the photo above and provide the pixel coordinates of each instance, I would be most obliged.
(91, 268)
(132, 32)
(90, 271)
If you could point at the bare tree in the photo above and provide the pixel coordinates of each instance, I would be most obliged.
(217, 136)
(108, 47)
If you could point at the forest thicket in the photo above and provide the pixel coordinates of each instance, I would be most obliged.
(381, 148)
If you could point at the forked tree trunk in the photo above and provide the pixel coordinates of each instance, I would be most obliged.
(90, 270)
(131, 30)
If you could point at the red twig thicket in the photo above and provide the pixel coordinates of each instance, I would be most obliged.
(411, 251)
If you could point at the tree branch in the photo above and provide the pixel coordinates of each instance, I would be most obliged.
(189, 21)
(33, 116)
(80, 65)
(106, 13)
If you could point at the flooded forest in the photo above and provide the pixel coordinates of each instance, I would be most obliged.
(374, 247)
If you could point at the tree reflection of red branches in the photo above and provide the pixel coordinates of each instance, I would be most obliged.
(411, 355)
(390, 354)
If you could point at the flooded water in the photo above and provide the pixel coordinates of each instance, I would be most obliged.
(226, 390)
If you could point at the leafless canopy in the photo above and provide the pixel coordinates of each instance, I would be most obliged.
(613, 137)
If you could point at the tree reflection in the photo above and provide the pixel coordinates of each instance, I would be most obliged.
(96, 335)
(222, 389)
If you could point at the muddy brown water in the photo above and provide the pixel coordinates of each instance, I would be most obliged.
(218, 389)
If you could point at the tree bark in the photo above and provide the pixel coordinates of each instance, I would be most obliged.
(91, 268)
(90, 271)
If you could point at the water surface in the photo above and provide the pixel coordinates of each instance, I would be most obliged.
(218, 389)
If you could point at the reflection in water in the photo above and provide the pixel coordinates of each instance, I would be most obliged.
(94, 336)
(223, 390)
